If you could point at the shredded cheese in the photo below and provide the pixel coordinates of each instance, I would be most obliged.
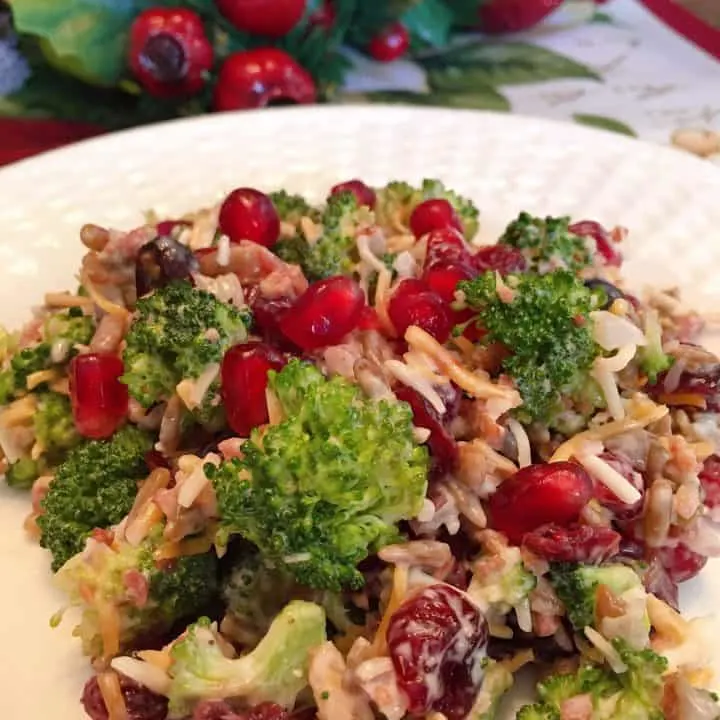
(415, 380)
(147, 518)
(608, 651)
(19, 412)
(100, 300)
(109, 685)
(382, 289)
(223, 251)
(524, 616)
(156, 480)
(66, 300)
(522, 441)
(40, 377)
(366, 254)
(399, 590)
(619, 486)
(146, 674)
(109, 622)
(275, 410)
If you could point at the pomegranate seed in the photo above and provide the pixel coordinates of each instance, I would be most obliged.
(390, 43)
(442, 445)
(538, 495)
(324, 314)
(99, 399)
(244, 379)
(446, 246)
(363, 194)
(608, 499)
(369, 320)
(603, 242)
(248, 214)
(268, 711)
(503, 258)
(435, 639)
(710, 480)
(436, 214)
(443, 280)
(576, 543)
(680, 562)
(411, 305)
(140, 703)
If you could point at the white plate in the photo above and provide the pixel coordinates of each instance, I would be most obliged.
(670, 202)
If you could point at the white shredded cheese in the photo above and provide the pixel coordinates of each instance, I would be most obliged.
(223, 251)
(427, 511)
(612, 331)
(609, 652)
(405, 264)
(618, 485)
(421, 434)
(523, 615)
(59, 350)
(363, 245)
(144, 673)
(195, 483)
(522, 441)
(417, 382)
(604, 370)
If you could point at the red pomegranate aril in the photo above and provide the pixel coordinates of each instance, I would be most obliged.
(443, 448)
(443, 279)
(99, 399)
(268, 711)
(324, 314)
(435, 214)
(248, 214)
(539, 495)
(503, 258)
(472, 331)
(435, 639)
(243, 383)
(411, 305)
(390, 43)
(603, 241)
(363, 194)
(576, 543)
(369, 320)
(710, 480)
(680, 562)
(446, 247)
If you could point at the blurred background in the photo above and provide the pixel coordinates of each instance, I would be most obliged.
(71, 69)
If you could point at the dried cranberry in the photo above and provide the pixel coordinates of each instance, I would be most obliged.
(413, 303)
(324, 314)
(575, 543)
(703, 383)
(680, 562)
(99, 399)
(443, 279)
(503, 258)
(160, 261)
(603, 241)
(538, 495)
(244, 380)
(710, 480)
(363, 194)
(390, 43)
(436, 214)
(446, 246)
(268, 711)
(436, 640)
(248, 214)
(442, 445)
(141, 703)
(267, 313)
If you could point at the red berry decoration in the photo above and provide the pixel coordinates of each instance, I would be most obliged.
(506, 16)
(256, 78)
(414, 303)
(539, 495)
(324, 17)
(248, 214)
(169, 53)
(273, 18)
(436, 214)
(324, 314)
(435, 639)
(243, 383)
(363, 194)
(99, 399)
(390, 43)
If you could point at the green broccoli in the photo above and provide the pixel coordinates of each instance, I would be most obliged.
(97, 578)
(319, 491)
(72, 326)
(653, 359)
(23, 473)
(546, 328)
(177, 333)
(93, 488)
(576, 586)
(28, 361)
(397, 200)
(292, 208)
(547, 243)
(54, 425)
(7, 386)
(538, 711)
(497, 680)
(275, 671)
(334, 252)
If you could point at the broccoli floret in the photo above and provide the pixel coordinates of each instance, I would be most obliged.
(93, 488)
(275, 671)
(72, 326)
(97, 578)
(23, 473)
(8, 344)
(7, 386)
(538, 711)
(497, 680)
(54, 425)
(27, 361)
(397, 200)
(576, 586)
(334, 252)
(177, 333)
(653, 359)
(547, 330)
(547, 243)
(319, 491)
(292, 208)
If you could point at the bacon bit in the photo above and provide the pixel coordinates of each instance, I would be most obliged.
(579, 321)
(109, 684)
(686, 399)
(231, 448)
(399, 590)
(608, 605)
(103, 536)
(579, 707)
(137, 587)
(545, 625)
(67, 300)
(40, 377)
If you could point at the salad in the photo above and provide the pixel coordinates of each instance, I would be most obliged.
(343, 462)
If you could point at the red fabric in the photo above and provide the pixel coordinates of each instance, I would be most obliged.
(20, 139)
(690, 26)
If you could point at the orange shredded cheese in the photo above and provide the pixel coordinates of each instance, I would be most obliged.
(109, 684)
(159, 658)
(109, 621)
(399, 590)
(40, 377)
(687, 399)
(100, 300)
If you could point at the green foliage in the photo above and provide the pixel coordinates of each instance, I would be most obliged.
(292, 207)
(547, 331)
(604, 123)
(169, 339)
(465, 95)
(23, 473)
(27, 361)
(547, 243)
(275, 671)
(93, 488)
(324, 488)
